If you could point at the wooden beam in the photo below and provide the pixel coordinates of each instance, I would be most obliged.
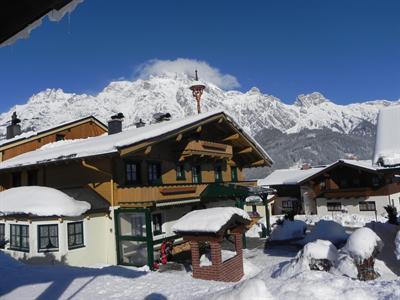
(220, 120)
(246, 150)
(232, 137)
(258, 163)
(199, 129)
(179, 137)
(148, 150)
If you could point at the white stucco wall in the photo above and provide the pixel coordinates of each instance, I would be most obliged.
(99, 241)
(351, 205)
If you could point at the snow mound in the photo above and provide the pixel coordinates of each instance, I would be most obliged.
(254, 289)
(347, 220)
(288, 230)
(326, 230)
(256, 230)
(397, 245)
(362, 244)
(311, 257)
(209, 220)
(40, 201)
(320, 249)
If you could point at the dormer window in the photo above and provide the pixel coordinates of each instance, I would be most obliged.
(60, 137)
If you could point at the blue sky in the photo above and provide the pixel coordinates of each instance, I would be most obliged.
(348, 50)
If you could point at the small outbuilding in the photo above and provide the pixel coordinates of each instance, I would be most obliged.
(210, 226)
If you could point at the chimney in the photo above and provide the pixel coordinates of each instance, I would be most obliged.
(160, 117)
(140, 123)
(115, 123)
(306, 166)
(14, 128)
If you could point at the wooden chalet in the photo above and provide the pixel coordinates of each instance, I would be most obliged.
(20, 143)
(346, 186)
(150, 176)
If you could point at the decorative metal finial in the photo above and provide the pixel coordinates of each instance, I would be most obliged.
(196, 77)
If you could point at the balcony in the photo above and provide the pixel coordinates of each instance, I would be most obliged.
(142, 196)
(207, 149)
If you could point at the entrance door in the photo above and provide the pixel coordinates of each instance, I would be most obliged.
(134, 237)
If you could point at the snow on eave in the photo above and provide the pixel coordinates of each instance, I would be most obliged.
(54, 16)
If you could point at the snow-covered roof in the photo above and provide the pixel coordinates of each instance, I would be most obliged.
(108, 144)
(297, 176)
(40, 201)
(210, 220)
(387, 143)
(288, 176)
(29, 134)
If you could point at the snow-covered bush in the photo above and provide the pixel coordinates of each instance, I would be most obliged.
(254, 289)
(397, 245)
(319, 256)
(362, 246)
(326, 230)
(288, 230)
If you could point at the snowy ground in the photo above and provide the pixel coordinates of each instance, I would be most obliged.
(115, 282)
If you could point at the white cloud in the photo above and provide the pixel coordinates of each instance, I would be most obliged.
(187, 66)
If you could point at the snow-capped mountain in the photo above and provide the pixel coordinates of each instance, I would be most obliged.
(166, 93)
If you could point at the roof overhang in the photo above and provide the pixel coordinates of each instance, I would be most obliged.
(19, 17)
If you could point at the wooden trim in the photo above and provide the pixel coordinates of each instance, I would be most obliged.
(53, 130)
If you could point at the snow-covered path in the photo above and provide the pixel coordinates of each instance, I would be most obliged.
(21, 281)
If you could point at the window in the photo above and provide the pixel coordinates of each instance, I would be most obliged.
(218, 173)
(75, 235)
(180, 172)
(19, 237)
(375, 181)
(132, 224)
(157, 224)
(334, 206)
(60, 137)
(344, 183)
(16, 179)
(234, 174)
(367, 206)
(154, 173)
(196, 174)
(287, 204)
(132, 172)
(48, 237)
(32, 177)
(2, 236)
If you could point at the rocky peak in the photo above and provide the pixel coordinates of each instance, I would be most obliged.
(309, 100)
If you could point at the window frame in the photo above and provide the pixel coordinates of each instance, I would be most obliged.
(159, 217)
(335, 205)
(138, 179)
(76, 246)
(20, 236)
(285, 204)
(234, 174)
(39, 235)
(2, 234)
(196, 173)
(180, 172)
(218, 174)
(60, 137)
(157, 172)
(367, 205)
